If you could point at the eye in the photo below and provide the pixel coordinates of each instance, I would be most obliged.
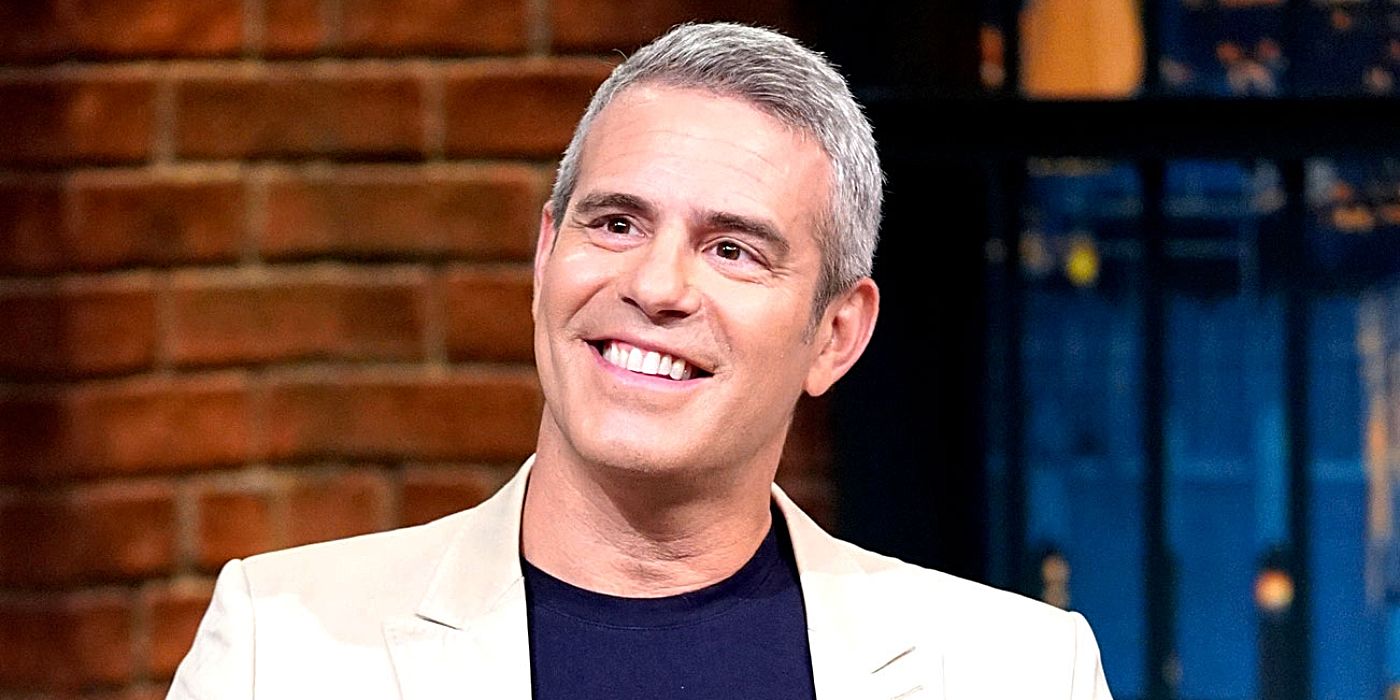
(729, 250)
(617, 225)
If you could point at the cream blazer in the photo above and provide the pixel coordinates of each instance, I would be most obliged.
(437, 612)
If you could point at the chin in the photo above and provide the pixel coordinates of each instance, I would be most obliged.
(680, 446)
(644, 459)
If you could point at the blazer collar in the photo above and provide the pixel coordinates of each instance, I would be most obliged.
(858, 631)
(470, 629)
(480, 570)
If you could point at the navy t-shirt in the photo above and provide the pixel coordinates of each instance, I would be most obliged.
(744, 637)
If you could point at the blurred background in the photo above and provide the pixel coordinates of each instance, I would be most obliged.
(264, 281)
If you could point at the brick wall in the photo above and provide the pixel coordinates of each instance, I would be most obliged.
(264, 280)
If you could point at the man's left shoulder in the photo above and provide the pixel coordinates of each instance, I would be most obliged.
(981, 631)
(954, 600)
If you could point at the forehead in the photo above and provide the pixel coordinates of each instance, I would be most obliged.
(684, 147)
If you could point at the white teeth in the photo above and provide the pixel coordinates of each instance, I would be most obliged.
(649, 362)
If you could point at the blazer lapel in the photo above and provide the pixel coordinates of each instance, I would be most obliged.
(435, 662)
(469, 636)
(861, 648)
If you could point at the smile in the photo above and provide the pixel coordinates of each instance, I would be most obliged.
(649, 362)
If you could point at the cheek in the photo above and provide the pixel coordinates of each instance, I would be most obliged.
(568, 283)
(772, 344)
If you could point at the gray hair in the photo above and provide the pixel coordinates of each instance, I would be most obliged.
(788, 81)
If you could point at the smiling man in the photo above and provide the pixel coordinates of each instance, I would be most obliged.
(704, 261)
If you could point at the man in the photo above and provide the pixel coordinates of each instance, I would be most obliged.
(704, 259)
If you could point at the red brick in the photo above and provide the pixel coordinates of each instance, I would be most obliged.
(345, 112)
(606, 25)
(138, 691)
(488, 416)
(433, 27)
(807, 452)
(814, 496)
(132, 220)
(90, 119)
(294, 27)
(235, 522)
(805, 469)
(410, 27)
(518, 108)
(64, 643)
(429, 493)
(118, 220)
(53, 31)
(159, 27)
(31, 225)
(32, 31)
(297, 315)
(486, 212)
(117, 531)
(124, 427)
(144, 691)
(76, 330)
(488, 313)
(174, 612)
(330, 506)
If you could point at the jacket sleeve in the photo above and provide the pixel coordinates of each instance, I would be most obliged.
(1089, 681)
(219, 666)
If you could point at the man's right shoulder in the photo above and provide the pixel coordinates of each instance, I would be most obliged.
(389, 567)
(308, 621)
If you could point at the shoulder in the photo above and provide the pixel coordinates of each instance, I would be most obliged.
(969, 639)
(287, 620)
(385, 569)
(958, 614)
(982, 632)
(957, 602)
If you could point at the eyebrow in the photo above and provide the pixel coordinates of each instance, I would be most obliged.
(747, 226)
(598, 201)
(750, 227)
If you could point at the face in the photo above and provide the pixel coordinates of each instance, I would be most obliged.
(672, 306)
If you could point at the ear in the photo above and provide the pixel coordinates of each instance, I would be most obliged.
(544, 242)
(845, 330)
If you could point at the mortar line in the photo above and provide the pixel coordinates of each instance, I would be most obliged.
(164, 124)
(254, 28)
(540, 31)
(434, 113)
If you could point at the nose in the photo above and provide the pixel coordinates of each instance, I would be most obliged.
(660, 281)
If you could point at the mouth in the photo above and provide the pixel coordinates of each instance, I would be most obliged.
(644, 361)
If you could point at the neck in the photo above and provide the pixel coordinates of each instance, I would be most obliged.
(640, 535)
